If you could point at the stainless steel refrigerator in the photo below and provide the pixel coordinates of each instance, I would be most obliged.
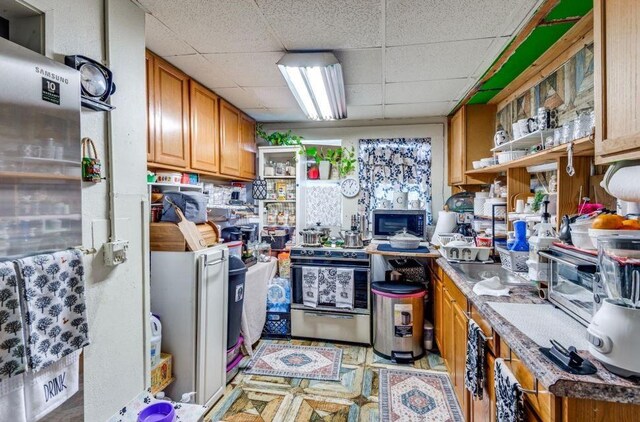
(40, 175)
(189, 293)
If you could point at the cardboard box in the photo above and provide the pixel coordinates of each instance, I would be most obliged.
(161, 375)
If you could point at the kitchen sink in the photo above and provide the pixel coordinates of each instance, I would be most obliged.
(478, 272)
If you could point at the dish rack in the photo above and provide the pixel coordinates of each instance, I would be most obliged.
(513, 260)
(445, 238)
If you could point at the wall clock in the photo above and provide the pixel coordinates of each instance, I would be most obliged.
(350, 187)
(96, 82)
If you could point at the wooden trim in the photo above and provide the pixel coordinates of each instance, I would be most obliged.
(599, 74)
(579, 36)
(209, 175)
(536, 19)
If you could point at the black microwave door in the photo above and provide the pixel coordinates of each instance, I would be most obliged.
(390, 224)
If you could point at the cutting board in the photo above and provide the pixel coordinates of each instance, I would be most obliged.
(167, 237)
(191, 234)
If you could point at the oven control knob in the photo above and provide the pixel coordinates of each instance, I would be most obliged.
(327, 253)
(354, 254)
(345, 254)
(311, 253)
(304, 252)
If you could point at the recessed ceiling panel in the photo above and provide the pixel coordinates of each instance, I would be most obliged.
(434, 61)
(326, 24)
(276, 114)
(399, 111)
(163, 41)
(361, 66)
(240, 97)
(425, 91)
(202, 71)
(274, 97)
(364, 112)
(250, 69)
(363, 94)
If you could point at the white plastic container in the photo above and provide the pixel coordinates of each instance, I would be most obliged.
(156, 340)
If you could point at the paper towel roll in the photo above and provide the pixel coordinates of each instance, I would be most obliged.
(617, 181)
(446, 223)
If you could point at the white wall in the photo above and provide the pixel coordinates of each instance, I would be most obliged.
(114, 363)
(350, 135)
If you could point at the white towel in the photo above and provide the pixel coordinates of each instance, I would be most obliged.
(12, 352)
(254, 311)
(310, 286)
(53, 291)
(12, 401)
(344, 288)
(491, 287)
(327, 285)
(49, 388)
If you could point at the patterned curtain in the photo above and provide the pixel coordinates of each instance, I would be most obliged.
(388, 165)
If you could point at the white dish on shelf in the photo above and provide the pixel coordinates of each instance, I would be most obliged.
(488, 161)
(478, 165)
(506, 156)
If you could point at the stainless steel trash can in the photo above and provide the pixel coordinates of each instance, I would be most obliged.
(398, 318)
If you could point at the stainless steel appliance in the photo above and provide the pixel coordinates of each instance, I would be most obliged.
(389, 222)
(326, 321)
(189, 293)
(40, 184)
(573, 282)
(398, 319)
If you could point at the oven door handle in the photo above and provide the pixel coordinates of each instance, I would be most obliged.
(589, 268)
(332, 316)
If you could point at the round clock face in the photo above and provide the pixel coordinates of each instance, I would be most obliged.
(93, 81)
(350, 187)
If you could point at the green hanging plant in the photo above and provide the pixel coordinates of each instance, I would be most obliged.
(342, 158)
(279, 138)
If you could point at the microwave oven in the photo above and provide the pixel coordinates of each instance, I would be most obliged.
(387, 222)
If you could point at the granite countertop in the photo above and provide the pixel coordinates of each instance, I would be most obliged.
(603, 385)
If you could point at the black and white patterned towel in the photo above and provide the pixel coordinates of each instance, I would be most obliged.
(310, 286)
(344, 288)
(54, 306)
(327, 278)
(12, 353)
(474, 367)
(509, 396)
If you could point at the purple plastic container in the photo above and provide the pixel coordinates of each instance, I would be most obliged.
(158, 412)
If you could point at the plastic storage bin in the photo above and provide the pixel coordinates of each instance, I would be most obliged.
(237, 273)
(277, 326)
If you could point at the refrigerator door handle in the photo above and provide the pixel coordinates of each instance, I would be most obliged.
(216, 262)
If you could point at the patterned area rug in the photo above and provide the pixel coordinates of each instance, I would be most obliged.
(286, 360)
(417, 396)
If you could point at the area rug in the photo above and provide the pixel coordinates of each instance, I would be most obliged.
(290, 361)
(417, 396)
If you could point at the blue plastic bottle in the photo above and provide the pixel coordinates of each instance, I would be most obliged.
(521, 244)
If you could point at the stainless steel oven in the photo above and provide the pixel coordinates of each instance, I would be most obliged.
(573, 282)
(389, 222)
(326, 321)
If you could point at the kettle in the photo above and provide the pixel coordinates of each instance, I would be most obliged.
(351, 239)
(565, 231)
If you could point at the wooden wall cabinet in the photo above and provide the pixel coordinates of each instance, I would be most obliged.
(149, 63)
(616, 82)
(171, 115)
(247, 147)
(471, 131)
(229, 139)
(205, 129)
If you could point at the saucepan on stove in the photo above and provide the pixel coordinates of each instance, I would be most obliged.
(311, 237)
(351, 239)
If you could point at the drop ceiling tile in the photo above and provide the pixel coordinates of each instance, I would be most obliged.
(424, 91)
(364, 112)
(202, 71)
(276, 114)
(361, 66)
(239, 97)
(430, 21)
(448, 60)
(162, 40)
(250, 69)
(440, 108)
(274, 97)
(490, 55)
(326, 24)
(363, 94)
(216, 26)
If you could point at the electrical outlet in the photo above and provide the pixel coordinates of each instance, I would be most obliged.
(115, 253)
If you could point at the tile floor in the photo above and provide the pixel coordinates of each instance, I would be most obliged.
(254, 398)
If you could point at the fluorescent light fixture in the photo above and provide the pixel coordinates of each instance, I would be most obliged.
(316, 81)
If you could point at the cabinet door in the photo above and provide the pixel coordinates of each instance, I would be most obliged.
(229, 139)
(149, 62)
(447, 330)
(460, 323)
(616, 83)
(456, 148)
(437, 312)
(205, 130)
(171, 94)
(248, 148)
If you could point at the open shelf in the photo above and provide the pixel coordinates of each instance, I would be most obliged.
(40, 176)
(175, 185)
(581, 147)
(275, 201)
(525, 142)
(278, 177)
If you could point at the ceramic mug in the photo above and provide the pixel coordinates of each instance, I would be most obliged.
(416, 204)
(520, 206)
(516, 130)
(532, 125)
(523, 124)
(547, 118)
(400, 200)
(385, 203)
(500, 137)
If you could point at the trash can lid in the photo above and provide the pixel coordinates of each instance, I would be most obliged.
(236, 266)
(398, 288)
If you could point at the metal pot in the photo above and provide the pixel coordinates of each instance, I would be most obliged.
(351, 239)
(325, 232)
(311, 237)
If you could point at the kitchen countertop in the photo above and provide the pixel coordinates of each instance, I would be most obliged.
(603, 385)
(372, 249)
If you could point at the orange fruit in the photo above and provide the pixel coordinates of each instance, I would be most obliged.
(631, 225)
(608, 222)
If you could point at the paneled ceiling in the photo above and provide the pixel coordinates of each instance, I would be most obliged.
(400, 58)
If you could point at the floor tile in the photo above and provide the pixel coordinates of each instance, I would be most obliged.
(316, 408)
(349, 386)
(248, 405)
(369, 413)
